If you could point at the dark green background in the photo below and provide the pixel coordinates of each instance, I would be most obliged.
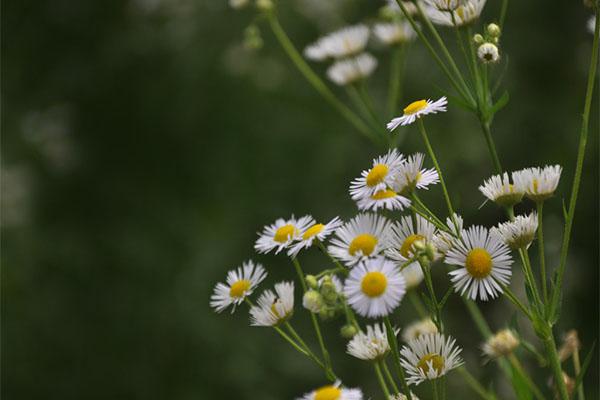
(150, 147)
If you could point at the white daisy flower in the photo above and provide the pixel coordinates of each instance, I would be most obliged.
(501, 344)
(409, 6)
(404, 235)
(519, 233)
(485, 264)
(591, 24)
(444, 241)
(240, 283)
(380, 176)
(281, 234)
(386, 199)
(444, 5)
(418, 328)
(375, 287)
(366, 235)
(315, 52)
(370, 346)
(413, 275)
(333, 392)
(316, 231)
(343, 43)
(430, 357)
(416, 109)
(500, 190)
(274, 308)
(350, 70)
(488, 53)
(411, 175)
(394, 32)
(467, 12)
(538, 183)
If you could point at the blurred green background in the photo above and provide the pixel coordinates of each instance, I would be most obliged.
(143, 147)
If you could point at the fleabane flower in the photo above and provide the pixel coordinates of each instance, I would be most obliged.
(372, 345)
(488, 53)
(240, 283)
(353, 69)
(375, 287)
(364, 236)
(411, 175)
(517, 234)
(281, 234)
(501, 344)
(444, 241)
(394, 32)
(444, 5)
(343, 43)
(539, 184)
(429, 357)
(413, 275)
(501, 191)
(409, 6)
(386, 199)
(274, 307)
(468, 11)
(416, 110)
(315, 231)
(379, 177)
(333, 392)
(418, 328)
(404, 235)
(484, 262)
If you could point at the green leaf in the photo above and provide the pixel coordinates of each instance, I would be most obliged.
(428, 303)
(445, 298)
(584, 367)
(520, 385)
(500, 104)
(500, 77)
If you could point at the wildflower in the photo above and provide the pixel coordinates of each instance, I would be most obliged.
(418, 328)
(281, 234)
(374, 288)
(372, 345)
(411, 175)
(365, 236)
(430, 357)
(333, 392)
(241, 282)
(499, 189)
(485, 264)
(312, 301)
(274, 308)
(386, 199)
(478, 39)
(493, 30)
(413, 275)
(394, 32)
(468, 11)
(316, 231)
(348, 331)
(343, 43)
(501, 344)
(538, 183)
(404, 235)
(350, 70)
(379, 177)
(571, 344)
(444, 5)
(409, 6)
(488, 53)
(517, 234)
(416, 109)
(444, 241)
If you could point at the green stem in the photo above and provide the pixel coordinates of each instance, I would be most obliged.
(550, 345)
(435, 163)
(416, 302)
(294, 344)
(577, 369)
(389, 376)
(529, 277)
(434, 385)
(475, 385)
(391, 337)
(542, 253)
(428, 218)
(517, 366)
(359, 103)
(384, 387)
(396, 67)
(313, 78)
(332, 259)
(437, 318)
(515, 300)
(489, 140)
(418, 201)
(579, 167)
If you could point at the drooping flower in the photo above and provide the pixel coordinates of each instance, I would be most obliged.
(467, 12)
(346, 42)
(240, 283)
(281, 234)
(501, 344)
(538, 183)
(411, 175)
(274, 307)
(500, 190)
(422, 327)
(350, 70)
(519, 233)
(430, 357)
(394, 32)
(416, 110)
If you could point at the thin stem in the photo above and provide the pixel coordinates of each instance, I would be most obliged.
(517, 366)
(384, 387)
(511, 296)
(542, 253)
(396, 69)
(487, 133)
(475, 385)
(418, 201)
(428, 218)
(291, 341)
(437, 320)
(300, 273)
(435, 163)
(503, 13)
(391, 337)
(417, 304)
(477, 316)
(559, 381)
(434, 385)
(530, 278)
(389, 376)
(359, 103)
(577, 368)
(333, 260)
(579, 166)
(313, 78)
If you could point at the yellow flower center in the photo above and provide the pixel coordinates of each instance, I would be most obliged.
(377, 174)
(373, 284)
(312, 231)
(479, 263)
(383, 194)
(433, 359)
(328, 393)
(284, 233)
(406, 248)
(535, 184)
(274, 308)
(415, 107)
(239, 288)
(364, 243)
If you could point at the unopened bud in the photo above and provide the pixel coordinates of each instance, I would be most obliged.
(326, 313)
(478, 39)
(348, 331)
(328, 290)
(313, 301)
(430, 251)
(493, 30)
(488, 53)
(311, 281)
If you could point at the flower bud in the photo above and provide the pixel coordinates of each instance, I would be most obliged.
(313, 301)
(348, 331)
(312, 282)
(328, 290)
(478, 39)
(493, 30)
(430, 251)
(488, 53)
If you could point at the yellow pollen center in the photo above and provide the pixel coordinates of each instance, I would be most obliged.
(479, 263)
(377, 174)
(312, 231)
(364, 243)
(460, 11)
(406, 248)
(433, 359)
(415, 107)
(274, 308)
(535, 184)
(383, 194)
(373, 284)
(328, 393)
(284, 233)
(239, 288)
